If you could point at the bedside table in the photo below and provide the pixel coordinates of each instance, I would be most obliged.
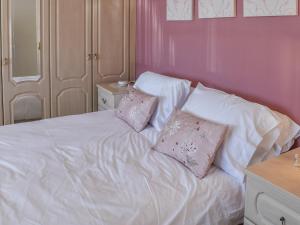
(273, 192)
(110, 95)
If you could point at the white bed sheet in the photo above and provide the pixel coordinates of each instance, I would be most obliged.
(151, 134)
(93, 169)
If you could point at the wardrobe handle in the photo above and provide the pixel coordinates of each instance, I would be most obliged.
(5, 61)
(90, 56)
(96, 56)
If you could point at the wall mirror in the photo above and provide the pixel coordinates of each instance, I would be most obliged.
(26, 41)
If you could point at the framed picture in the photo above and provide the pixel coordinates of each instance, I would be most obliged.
(270, 8)
(179, 10)
(217, 8)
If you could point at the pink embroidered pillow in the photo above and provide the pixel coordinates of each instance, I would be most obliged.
(191, 140)
(136, 109)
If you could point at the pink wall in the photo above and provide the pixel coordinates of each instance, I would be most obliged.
(257, 58)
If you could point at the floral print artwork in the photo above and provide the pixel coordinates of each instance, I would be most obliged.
(179, 10)
(217, 8)
(192, 141)
(270, 8)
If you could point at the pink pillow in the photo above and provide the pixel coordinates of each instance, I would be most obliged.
(191, 140)
(136, 109)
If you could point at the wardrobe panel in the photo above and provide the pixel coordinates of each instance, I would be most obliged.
(72, 100)
(71, 39)
(132, 40)
(1, 102)
(111, 40)
(27, 107)
(25, 54)
(70, 61)
(111, 37)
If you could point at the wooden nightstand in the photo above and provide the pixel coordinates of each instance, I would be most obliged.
(273, 192)
(110, 95)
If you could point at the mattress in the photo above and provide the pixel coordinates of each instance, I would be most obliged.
(93, 169)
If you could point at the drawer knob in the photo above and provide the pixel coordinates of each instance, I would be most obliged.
(282, 220)
(104, 101)
(5, 61)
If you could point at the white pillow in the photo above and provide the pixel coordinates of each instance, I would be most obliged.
(266, 146)
(172, 93)
(289, 132)
(282, 136)
(248, 123)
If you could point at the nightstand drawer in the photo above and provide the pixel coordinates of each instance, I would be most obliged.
(103, 108)
(268, 205)
(110, 95)
(105, 99)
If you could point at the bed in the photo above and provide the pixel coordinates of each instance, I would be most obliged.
(106, 168)
(81, 170)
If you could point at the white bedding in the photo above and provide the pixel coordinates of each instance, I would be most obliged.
(151, 134)
(93, 169)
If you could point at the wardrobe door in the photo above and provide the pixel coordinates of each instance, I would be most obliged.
(25, 57)
(111, 41)
(1, 103)
(70, 57)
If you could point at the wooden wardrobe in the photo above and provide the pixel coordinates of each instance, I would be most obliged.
(80, 43)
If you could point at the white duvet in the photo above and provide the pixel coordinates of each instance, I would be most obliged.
(93, 169)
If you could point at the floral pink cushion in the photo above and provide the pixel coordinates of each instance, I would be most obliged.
(191, 140)
(136, 109)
